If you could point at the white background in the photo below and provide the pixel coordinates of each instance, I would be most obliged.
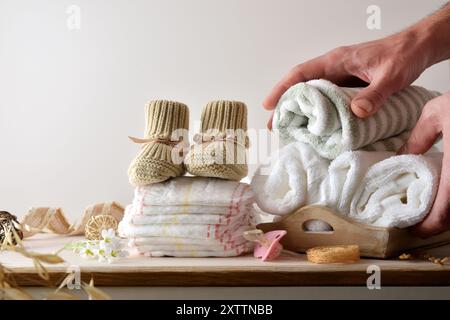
(69, 99)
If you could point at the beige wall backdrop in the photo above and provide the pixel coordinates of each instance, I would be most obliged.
(69, 98)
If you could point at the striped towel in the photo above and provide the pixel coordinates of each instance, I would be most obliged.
(318, 112)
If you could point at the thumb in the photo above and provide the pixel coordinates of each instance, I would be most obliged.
(369, 100)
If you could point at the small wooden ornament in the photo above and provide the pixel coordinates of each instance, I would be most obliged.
(8, 223)
(96, 224)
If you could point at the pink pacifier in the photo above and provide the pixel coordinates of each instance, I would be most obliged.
(267, 245)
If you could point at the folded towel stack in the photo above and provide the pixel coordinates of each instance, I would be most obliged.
(318, 112)
(376, 188)
(190, 217)
(322, 164)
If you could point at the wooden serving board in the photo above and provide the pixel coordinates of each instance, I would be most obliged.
(374, 242)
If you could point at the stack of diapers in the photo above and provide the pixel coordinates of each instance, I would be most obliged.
(375, 188)
(318, 113)
(190, 217)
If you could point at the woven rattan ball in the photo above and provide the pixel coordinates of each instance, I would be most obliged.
(96, 224)
(8, 223)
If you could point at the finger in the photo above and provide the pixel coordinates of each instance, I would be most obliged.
(351, 82)
(313, 69)
(369, 100)
(269, 123)
(438, 220)
(424, 134)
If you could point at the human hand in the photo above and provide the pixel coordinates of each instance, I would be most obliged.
(385, 66)
(434, 121)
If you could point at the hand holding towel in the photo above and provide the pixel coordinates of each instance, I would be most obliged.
(318, 112)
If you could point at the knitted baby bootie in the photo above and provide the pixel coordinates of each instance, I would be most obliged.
(220, 149)
(161, 156)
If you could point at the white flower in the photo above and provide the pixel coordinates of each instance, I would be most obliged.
(106, 250)
(113, 244)
(107, 255)
(108, 234)
(102, 245)
(87, 251)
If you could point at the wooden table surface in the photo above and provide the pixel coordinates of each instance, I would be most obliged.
(238, 271)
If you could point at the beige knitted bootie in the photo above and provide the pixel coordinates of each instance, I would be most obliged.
(220, 149)
(161, 156)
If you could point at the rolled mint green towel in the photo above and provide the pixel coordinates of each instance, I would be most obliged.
(318, 112)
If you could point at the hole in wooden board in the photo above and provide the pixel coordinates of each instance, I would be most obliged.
(317, 226)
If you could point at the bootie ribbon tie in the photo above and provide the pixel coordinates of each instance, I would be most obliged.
(145, 141)
(200, 138)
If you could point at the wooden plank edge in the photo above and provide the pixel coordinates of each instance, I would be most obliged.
(244, 278)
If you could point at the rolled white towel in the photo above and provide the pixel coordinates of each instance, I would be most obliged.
(366, 186)
(299, 176)
(294, 177)
(345, 174)
(397, 192)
